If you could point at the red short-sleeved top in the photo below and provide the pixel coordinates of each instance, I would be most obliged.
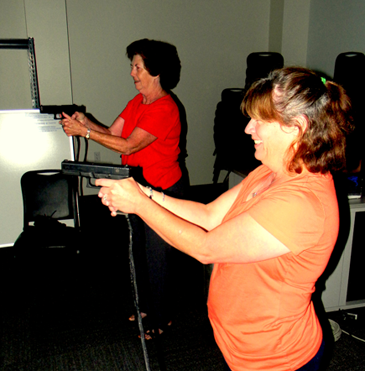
(159, 159)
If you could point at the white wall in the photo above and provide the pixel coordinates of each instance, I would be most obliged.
(14, 71)
(12, 20)
(336, 26)
(295, 32)
(80, 47)
(46, 22)
(276, 25)
(289, 27)
(213, 39)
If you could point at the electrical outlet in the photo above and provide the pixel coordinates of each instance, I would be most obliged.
(97, 156)
(346, 316)
(352, 316)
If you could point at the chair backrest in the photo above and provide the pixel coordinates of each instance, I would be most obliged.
(234, 149)
(260, 64)
(350, 73)
(234, 152)
(49, 193)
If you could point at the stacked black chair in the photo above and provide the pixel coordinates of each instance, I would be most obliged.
(234, 149)
(350, 73)
(260, 64)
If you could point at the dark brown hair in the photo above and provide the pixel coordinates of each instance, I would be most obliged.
(160, 58)
(293, 92)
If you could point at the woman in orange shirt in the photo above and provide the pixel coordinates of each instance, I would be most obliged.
(271, 236)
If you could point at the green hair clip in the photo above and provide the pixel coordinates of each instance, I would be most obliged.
(323, 80)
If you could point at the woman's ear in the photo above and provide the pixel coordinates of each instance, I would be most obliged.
(299, 129)
(157, 79)
(302, 121)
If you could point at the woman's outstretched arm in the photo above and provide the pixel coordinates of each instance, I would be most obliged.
(240, 240)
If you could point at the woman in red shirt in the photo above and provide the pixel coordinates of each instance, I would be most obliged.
(148, 134)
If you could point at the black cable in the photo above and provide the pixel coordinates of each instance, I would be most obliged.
(136, 298)
(77, 149)
(86, 149)
(132, 276)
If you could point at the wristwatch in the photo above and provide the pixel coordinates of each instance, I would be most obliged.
(87, 136)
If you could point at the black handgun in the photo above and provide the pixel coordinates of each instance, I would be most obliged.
(57, 110)
(93, 170)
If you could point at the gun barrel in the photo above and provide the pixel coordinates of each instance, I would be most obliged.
(70, 109)
(95, 170)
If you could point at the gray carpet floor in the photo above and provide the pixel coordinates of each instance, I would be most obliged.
(75, 317)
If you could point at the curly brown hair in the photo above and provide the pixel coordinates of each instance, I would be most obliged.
(295, 92)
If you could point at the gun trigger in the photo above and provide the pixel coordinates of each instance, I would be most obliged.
(91, 185)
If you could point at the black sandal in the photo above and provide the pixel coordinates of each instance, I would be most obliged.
(150, 334)
(132, 318)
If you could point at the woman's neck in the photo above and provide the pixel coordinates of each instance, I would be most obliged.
(153, 96)
(279, 176)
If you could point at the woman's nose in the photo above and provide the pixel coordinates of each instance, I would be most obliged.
(250, 127)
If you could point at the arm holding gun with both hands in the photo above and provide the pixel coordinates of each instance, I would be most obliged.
(80, 125)
(194, 228)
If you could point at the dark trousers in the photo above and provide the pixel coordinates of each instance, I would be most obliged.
(315, 363)
(153, 259)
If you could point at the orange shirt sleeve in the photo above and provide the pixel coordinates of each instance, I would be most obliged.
(295, 218)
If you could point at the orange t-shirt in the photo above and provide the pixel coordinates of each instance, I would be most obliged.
(261, 313)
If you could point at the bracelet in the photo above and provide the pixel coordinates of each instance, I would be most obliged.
(151, 192)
